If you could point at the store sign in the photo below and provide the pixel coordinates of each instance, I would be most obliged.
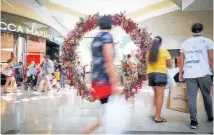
(12, 27)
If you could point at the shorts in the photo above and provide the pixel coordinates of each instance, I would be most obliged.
(46, 77)
(157, 79)
(101, 92)
(104, 100)
(18, 76)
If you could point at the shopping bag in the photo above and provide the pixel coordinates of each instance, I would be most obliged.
(170, 76)
(177, 99)
(117, 114)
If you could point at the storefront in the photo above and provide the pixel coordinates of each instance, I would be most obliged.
(175, 54)
(27, 40)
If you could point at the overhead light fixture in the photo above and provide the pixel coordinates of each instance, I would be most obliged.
(7, 49)
(8, 3)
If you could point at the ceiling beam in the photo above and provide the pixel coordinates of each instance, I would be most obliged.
(178, 2)
(157, 9)
(186, 3)
(197, 5)
(42, 2)
(54, 6)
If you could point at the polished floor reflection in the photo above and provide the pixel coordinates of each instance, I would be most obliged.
(65, 112)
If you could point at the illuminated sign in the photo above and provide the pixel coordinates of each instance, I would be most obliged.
(12, 27)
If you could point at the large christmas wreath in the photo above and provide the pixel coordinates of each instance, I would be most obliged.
(140, 36)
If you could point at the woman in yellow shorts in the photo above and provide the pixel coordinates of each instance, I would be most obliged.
(158, 61)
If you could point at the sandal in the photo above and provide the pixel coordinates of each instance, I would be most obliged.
(160, 121)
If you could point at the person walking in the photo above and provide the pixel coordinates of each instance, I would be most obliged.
(57, 74)
(57, 79)
(39, 74)
(9, 72)
(52, 65)
(129, 62)
(104, 74)
(56, 64)
(84, 72)
(79, 70)
(18, 73)
(63, 73)
(32, 68)
(195, 68)
(158, 61)
(46, 74)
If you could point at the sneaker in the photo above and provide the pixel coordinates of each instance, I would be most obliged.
(210, 119)
(193, 124)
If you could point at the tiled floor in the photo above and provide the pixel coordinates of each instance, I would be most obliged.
(64, 112)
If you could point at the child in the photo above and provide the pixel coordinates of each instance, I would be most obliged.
(57, 78)
(57, 75)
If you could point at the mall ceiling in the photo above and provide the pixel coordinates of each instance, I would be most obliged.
(62, 15)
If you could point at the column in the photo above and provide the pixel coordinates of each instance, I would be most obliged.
(20, 49)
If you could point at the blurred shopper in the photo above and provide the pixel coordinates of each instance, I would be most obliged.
(129, 63)
(56, 64)
(32, 68)
(91, 68)
(57, 78)
(196, 54)
(39, 74)
(18, 73)
(63, 73)
(158, 61)
(104, 76)
(46, 74)
(31, 76)
(79, 70)
(84, 72)
(57, 74)
(52, 65)
(9, 71)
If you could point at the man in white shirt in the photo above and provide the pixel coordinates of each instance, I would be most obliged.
(47, 73)
(51, 63)
(195, 68)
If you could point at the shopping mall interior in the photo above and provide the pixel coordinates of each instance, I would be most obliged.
(64, 30)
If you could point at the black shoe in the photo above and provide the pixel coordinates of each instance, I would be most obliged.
(193, 124)
(58, 90)
(210, 119)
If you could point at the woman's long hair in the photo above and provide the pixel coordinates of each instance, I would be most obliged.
(153, 54)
